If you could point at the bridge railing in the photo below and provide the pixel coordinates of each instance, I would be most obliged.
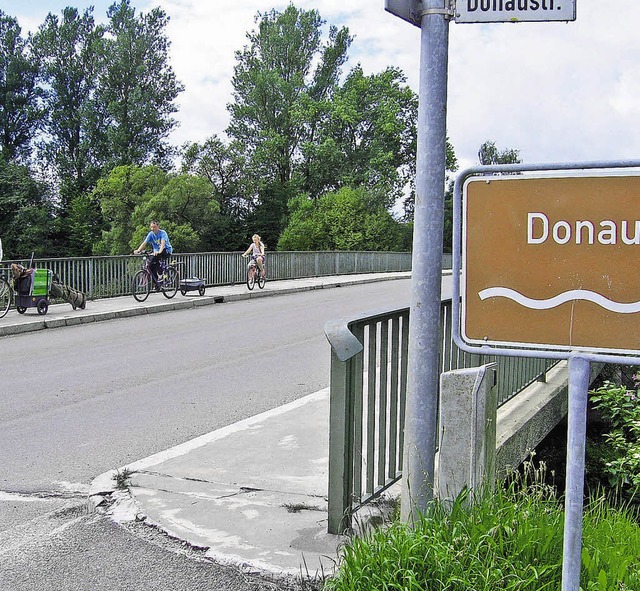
(110, 276)
(368, 397)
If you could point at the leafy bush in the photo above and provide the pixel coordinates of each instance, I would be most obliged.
(620, 408)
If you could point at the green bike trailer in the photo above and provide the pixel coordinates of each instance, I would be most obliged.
(33, 289)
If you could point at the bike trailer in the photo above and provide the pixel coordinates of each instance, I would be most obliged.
(32, 291)
(192, 284)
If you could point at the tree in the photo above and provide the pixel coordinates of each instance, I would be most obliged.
(186, 210)
(137, 87)
(131, 196)
(85, 225)
(348, 219)
(118, 194)
(489, 154)
(19, 111)
(69, 50)
(224, 165)
(284, 71)
(368, 138)
(26, 219)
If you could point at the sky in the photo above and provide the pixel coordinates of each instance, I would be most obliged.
(557, 92)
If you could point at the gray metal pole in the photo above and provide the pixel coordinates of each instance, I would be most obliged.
(579, 369)
(424, 328)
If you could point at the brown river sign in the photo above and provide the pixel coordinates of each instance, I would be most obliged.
(552, 263)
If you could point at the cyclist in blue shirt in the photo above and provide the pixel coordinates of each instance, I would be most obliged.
(159, 241)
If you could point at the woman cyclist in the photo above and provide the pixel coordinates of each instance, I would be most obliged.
(256, 248)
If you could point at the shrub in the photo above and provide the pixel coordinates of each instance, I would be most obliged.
(620, 408)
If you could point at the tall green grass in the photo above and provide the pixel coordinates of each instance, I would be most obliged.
(506, 539)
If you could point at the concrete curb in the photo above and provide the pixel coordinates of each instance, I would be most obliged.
(153, 477)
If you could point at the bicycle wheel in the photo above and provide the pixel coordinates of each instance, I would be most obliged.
(171, 283)
(251, 277)
(262, 279)
(141, 286)
(5, 297)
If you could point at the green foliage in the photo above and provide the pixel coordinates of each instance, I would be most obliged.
(489, 154)
(280, 79)
(610, 549)
(69, 51)
(86, 100)
(137, 87)
(118, 194)
(284, 66)
(132, 196)
(85, 225)
(122, 478)
(620, 407)
(26, 217)
(186, 210)
(345, 220)
(510, 539)
(372, 123)
(306, 131)
(451, 166)
(224, 166)
(19, 93)
(108, 94)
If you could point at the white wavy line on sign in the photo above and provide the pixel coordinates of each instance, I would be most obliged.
(561, 298)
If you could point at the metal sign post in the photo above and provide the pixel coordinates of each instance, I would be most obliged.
(424, 349)
(581, 313)
(433, 17)
(574, 485)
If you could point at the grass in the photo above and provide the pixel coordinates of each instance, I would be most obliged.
(509, 539)
(122, 478)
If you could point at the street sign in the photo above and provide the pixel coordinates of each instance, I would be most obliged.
(552, 263)
(408, 10)
(504, 11)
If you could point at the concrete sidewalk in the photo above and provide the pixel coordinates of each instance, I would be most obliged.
(253, 494)
(60, 315)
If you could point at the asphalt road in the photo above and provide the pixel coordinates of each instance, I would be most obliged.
(78, 401)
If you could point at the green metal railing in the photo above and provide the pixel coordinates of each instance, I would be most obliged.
(367, 402)
(110, 276)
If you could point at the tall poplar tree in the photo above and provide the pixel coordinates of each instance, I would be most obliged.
(137, 87)
(280, 79)
(69, 50)
(20, 113)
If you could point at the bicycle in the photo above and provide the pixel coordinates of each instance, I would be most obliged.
(6, 295)
(254, 275)
(167, 282)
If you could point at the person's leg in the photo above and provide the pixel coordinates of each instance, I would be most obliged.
(164, 261)
(154, 266)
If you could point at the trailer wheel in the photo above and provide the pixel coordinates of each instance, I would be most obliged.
(43, 307)
(201, 290)
(183, 291)
(21, 310)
